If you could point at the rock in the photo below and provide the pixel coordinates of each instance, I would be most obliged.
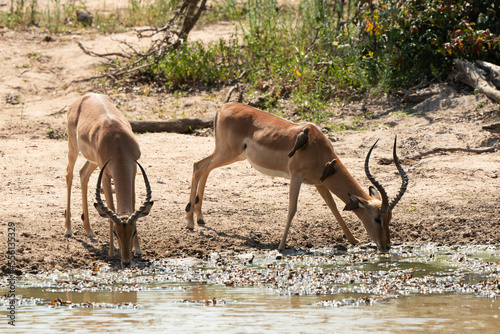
(84, 17)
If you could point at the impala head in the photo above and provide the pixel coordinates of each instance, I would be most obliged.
(377, 207)
(124, 226)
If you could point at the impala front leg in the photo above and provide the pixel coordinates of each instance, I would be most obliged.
(85, 173)
(69, 182)
(106, 185)
(325, 193)
(138, 251)
(295, 184)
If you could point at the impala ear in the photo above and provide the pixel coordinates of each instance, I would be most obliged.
(374, 193)
(147, 208)
(353, 204)
(101, 212)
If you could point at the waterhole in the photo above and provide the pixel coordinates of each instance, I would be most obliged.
(411, 289)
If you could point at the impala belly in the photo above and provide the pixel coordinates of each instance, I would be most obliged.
(265, 165)
(269, 172)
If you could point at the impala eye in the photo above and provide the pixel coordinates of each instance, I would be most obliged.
(378, 221)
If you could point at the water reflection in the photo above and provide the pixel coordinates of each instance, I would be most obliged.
(258, 311)
(100, 297)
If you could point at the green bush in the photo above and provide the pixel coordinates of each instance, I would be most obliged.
(421, 38)
(195, 65)
(319, 50)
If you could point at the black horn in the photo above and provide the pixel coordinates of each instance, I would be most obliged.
(381, 190)
(404, 177)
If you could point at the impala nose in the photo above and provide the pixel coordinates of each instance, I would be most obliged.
(126, 264)
(383, 249)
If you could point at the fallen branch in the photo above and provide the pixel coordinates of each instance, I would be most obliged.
(493, 71)
(475, 77)
(386, 161)
(183, 125)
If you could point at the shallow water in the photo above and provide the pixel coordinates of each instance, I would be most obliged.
(412, 290)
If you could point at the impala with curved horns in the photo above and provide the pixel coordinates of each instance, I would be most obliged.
(105, 138)
(301, 153)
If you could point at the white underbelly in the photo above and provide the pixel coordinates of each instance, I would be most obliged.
(267, 171)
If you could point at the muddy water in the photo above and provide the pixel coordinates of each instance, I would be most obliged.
(410, 290)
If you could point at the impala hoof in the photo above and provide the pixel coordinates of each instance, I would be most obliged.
(201, 222)
(68, 233)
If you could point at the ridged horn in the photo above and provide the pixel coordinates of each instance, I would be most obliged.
(381, 190)
(133, 218)
(404, 177)
(110, 213)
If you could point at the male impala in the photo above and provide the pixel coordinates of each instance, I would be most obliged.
(105, 138)
(301, 153)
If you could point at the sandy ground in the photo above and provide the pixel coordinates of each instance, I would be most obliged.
(453, 198)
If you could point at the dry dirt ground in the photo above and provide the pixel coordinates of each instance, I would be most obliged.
(452, 198)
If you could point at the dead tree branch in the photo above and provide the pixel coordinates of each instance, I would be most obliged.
(163, 40)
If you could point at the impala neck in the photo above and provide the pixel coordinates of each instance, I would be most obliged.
(342, 184)
(123, 174)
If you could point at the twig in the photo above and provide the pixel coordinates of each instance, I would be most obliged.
(22, 72)
(93, 78)
(387, 161)
(60, 111)
(101, 55)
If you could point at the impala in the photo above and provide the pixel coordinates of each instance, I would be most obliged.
(105, 138)
(301, 153)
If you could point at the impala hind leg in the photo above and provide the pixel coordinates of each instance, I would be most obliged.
(327, 196)
(199, 198)
(85, 173)
(201, 170)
